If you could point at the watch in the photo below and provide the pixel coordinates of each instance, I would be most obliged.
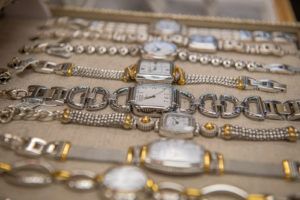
(83, 28)
(167, 27)
(172, 125)
(157, 71)
(151, 99)
(154, 99)
(167, 156)
(161, 50)
(120, 182)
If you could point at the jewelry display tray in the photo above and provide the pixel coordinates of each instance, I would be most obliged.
(16, 32)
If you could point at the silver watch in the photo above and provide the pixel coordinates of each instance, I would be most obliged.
(168, 156)
(151, 99)
(167, 27)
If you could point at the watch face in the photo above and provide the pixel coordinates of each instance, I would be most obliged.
(177, 125)
(125, 179)
(159, 50)
(172, 155)
(203, 43)
(167, 27)
(155, 71)
(155, 67)
(153, 95)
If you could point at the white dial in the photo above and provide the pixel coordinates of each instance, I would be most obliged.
(155, 67)
(125, 178)
(156, 95)
(176, 153)
(167, 26)
(160, 49)
(178, 123)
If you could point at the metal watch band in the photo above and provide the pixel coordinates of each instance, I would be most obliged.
(128, 121)
(66, 50)
(268, 109)
(129, 74)
(84, 180)
(213, 162)
(261, 169)
(96, 154)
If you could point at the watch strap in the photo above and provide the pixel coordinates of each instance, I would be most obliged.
(96, 154)
(286, 169)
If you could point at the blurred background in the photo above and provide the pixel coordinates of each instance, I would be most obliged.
(266, 10)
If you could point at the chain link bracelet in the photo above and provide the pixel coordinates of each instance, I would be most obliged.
(85, 180)
(98, 98)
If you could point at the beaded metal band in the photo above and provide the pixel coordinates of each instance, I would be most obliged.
(66, 50)
(128, 121)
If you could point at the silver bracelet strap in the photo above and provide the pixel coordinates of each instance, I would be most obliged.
(129, 73)
(287, 169)
(96, 154)
(209, 79)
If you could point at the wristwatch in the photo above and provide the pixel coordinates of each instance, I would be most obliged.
(172, 125)
(168, 156)
(167, 27)
(121, 182)
(83, 28)
(154, 99)
(160, 50)
(157, 71)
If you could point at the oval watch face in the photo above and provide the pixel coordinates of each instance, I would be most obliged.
(176, 153)
(159, 49)
(125, 179)
(166, 26)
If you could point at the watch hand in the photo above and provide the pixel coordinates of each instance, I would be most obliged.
(154, 95)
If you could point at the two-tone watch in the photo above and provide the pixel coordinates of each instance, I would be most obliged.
(121, 182)
(168, 156)
(144, 70)
(172, 125)
(158, 50)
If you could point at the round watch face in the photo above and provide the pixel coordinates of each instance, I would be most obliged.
(159, 49)
(125, 179)
(166, 26)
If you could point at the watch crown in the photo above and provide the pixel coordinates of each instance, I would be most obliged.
(145, 119)
(209, 126)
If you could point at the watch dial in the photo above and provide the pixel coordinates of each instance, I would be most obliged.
(160, 48)
(155, 67)
(177, 123)
(203, 39)
(167, 26)
(157, 95)
(125, 178)
(176, 153)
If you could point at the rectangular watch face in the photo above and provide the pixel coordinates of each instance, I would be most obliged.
(154, 71)
(203, 43)
(153, 95)
(178, 125)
